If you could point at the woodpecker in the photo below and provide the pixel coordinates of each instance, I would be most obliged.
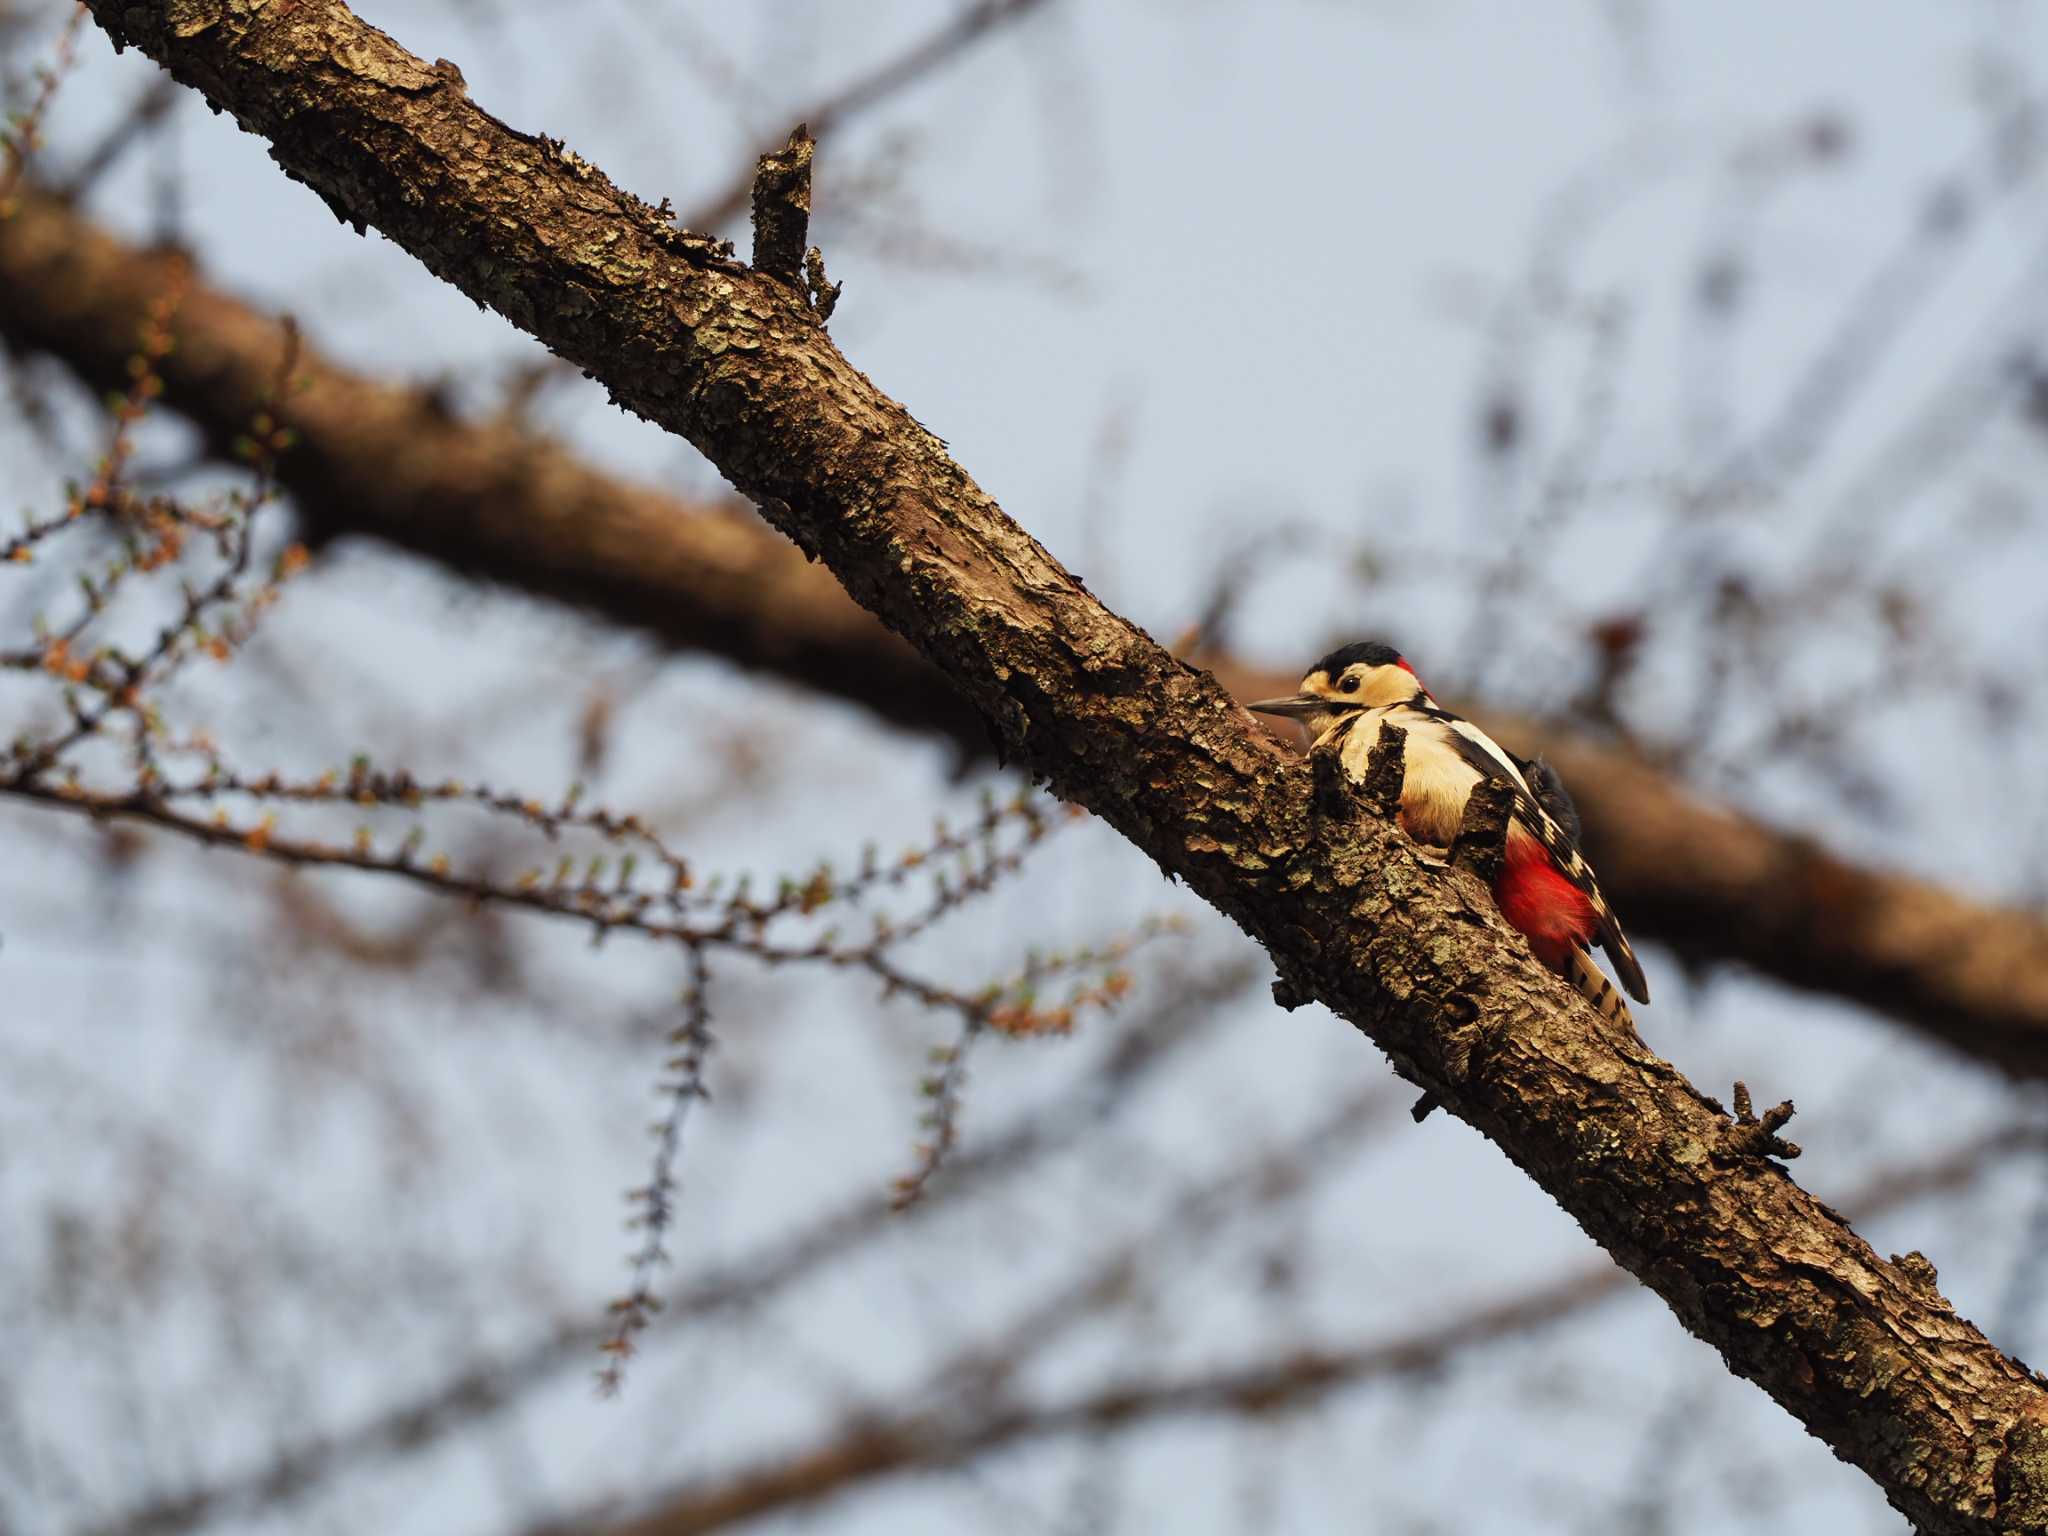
(1544, 888)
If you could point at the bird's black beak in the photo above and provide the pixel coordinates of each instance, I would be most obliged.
(1294, 707)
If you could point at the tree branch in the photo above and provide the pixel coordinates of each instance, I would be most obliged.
(497, 500)
(1863, 1352)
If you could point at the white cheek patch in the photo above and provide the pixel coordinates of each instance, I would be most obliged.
(1387, 686)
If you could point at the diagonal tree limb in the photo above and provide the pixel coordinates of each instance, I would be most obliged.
(1864, 1352)
(495, 499)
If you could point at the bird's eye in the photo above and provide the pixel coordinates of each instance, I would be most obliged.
(1350, 683)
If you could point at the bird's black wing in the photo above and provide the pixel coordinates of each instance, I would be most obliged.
(1545, 807)
(1550, 793)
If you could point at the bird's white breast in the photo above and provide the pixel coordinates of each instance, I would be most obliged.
(1436, 779)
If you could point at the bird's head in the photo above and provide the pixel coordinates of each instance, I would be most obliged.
(1367, 675)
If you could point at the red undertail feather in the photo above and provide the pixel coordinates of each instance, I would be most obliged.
(1540, 903)
(1555, 916)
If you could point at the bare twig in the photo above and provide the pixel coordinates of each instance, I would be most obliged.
(974, 24)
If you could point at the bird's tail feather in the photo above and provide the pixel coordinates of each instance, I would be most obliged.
(1582, 973)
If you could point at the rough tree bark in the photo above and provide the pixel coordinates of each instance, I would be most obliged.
(1864, 1352)
(493, 499)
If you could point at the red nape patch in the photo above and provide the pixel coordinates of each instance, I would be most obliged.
(1539, 902)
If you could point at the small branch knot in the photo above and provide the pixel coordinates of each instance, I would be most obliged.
(782, 209)
(1483, 834)
(1920, 1275)
(824, 295)
(1385, 769)
(1285, 995)
(1335, 795)
(1752, 1136)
